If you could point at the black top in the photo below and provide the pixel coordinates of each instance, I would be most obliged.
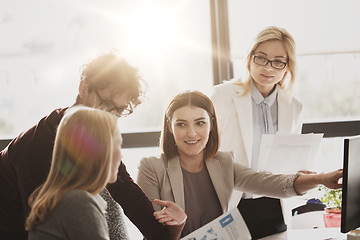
(25, 164)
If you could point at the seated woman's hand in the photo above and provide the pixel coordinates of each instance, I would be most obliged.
(170, 214)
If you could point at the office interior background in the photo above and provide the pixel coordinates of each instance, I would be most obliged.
(176, 45)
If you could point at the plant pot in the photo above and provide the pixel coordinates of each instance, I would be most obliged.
(332, 218)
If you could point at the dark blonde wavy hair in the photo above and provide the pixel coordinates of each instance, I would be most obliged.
(82, 159)
(110, 70)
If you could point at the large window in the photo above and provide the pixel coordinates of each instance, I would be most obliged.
(329, 85)
(45, 43)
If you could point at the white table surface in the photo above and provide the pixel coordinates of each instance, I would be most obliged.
(309, 234)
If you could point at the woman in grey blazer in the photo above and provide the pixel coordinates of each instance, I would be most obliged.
(192, 173)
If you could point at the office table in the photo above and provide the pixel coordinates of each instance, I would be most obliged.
(309, 234)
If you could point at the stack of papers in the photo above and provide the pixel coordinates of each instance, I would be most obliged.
(288, 153)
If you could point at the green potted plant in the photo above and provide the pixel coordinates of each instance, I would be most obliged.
(332, 198)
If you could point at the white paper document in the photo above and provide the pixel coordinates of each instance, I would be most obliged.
(229, 226)
(288, 153)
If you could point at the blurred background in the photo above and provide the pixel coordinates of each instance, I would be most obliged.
(44, 43)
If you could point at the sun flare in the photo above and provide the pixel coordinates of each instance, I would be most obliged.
(151, 29)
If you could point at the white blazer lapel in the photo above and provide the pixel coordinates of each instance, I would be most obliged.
(285, 112)
(244, 113)
(176, 181)
(214, 168)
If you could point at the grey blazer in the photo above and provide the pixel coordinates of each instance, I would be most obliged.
(78, 215)
(161, 178)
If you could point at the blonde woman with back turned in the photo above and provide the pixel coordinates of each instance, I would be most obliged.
(86, 156)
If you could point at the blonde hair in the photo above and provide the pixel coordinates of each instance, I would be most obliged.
(112, 70)
(81, 159)
(273, 33)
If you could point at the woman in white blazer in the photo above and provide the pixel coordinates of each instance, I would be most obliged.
(261, 105)
(192, 173)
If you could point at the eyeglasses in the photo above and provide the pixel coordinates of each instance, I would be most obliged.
(109, 106)
(262, 61)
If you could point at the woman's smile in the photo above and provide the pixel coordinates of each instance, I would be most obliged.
(267, 76)
(192, 142)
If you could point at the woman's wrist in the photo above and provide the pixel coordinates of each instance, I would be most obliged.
(319, 180)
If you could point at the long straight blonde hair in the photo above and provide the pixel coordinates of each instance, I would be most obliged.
(81, 159)
(270, 34)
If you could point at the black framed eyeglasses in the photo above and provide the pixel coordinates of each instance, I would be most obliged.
(263, 61)
(109, 106)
